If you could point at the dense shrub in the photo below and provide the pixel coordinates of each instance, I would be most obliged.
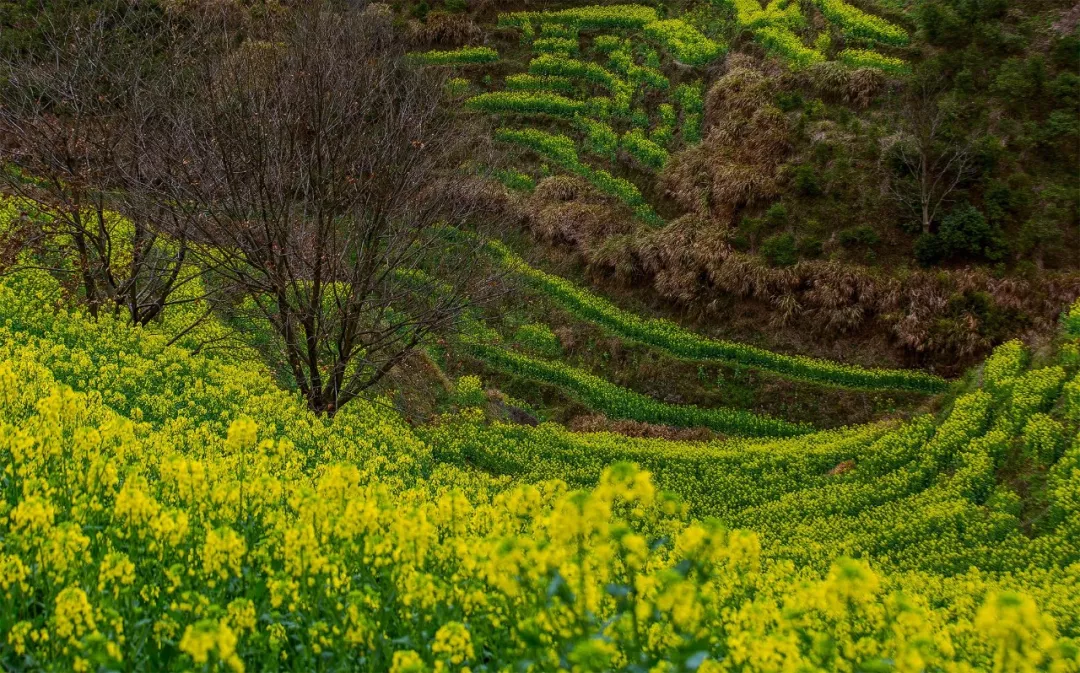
(780, 249)
(858, 236)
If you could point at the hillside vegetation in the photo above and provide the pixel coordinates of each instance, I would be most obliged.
(718, 336)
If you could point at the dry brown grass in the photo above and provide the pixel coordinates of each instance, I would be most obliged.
(694, 267)
(836, 83)
(745, 141)
(568, 210)
(441, 29)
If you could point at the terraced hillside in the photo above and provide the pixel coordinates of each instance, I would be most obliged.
(612, 93)
(164, 510)
(289, 383)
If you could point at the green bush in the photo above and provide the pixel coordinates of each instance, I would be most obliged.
(929, 250)
(807, 180)
(538, 339)
(965, 233)
(469, 391)
(526, 102)
(853, 237)
(780, 249)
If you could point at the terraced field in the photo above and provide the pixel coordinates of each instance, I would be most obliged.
(170, 500)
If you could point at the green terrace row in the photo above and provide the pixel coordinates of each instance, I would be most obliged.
(617, 402)
(197, 432)
(682, 343)
(918, 496)
(773, 27)
(462, 56)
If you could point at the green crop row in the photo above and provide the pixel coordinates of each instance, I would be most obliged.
(863, 58)
(684, 42)
(918, 496)
(168, 509)
(591, 17)
(644, 150)
(623, 61)
(689, 98)
(858, 24)
(529, 82)
(750, 15)
(558, 46)
(664, 130)
(561, 150)
(526, 102)
(515, 180)
(463, 56)
(548, 65)
(600, 138)
(786, 44)
(681, 343)
(618, 402)
(567, 30)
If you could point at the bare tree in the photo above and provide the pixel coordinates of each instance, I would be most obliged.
(317, 169)
(933, 163)
(73, 122)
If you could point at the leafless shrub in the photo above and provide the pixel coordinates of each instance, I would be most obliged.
(76, 121)
(317, 170)
(934, 163)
